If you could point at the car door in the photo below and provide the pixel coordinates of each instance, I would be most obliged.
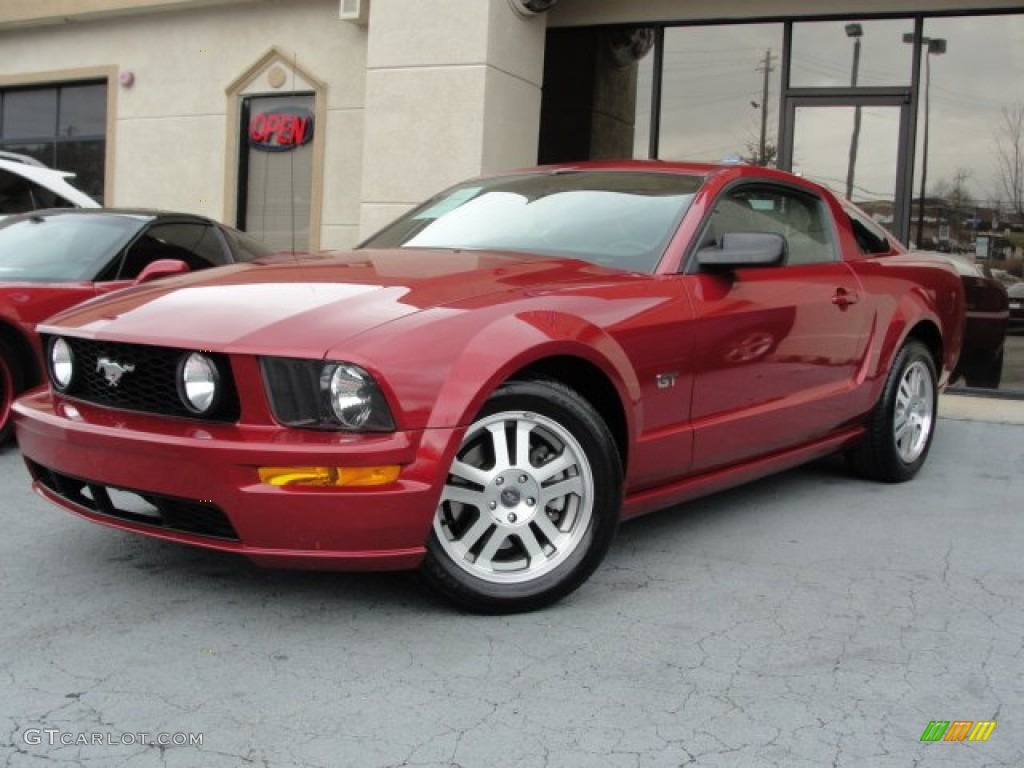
(777, 347)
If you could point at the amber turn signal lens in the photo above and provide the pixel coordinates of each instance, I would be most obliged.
(335, 477)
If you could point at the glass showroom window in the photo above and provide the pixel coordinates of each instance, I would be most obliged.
(719, 93)
(62, 126)
(969, 166)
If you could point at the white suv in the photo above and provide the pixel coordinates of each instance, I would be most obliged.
(28, 185)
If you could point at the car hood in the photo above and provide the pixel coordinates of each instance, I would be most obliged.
(304, 307)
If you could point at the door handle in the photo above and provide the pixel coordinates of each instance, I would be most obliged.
(844, 298)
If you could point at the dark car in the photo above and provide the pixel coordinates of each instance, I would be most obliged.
(988, 312)
(1016, 294)
(53, 259)
(488, 386)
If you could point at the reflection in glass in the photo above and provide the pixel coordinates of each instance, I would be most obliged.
(821, 54)
(815, 132)
(36, 150)
(965, 183)
(29, 114)
(83, 110)
(86, 158)
(713, 103)
(642, 123)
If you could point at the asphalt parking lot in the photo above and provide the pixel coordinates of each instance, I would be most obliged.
(810, 619)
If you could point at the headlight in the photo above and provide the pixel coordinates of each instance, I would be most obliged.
(62, 364)
(319, 394)
(198, 383)
(353, 395)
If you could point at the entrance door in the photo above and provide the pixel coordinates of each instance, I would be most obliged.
(275, 175)
(856, 146)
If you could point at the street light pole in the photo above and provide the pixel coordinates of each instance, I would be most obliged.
(936, 46)
(856, 31)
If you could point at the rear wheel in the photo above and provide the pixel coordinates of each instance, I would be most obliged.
(530, 504)
(901, 426)
(10, 386)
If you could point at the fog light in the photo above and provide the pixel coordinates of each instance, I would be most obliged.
(335, 477)
(197, 383)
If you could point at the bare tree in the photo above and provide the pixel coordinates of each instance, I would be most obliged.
(958, 199)
(1010, 156)
(754, 156)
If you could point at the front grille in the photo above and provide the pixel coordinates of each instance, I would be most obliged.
(200, 518)
(151, 384)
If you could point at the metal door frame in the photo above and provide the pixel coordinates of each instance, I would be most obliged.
(865, 97)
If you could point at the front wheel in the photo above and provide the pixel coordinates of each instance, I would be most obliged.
(10, 387)
(530, 504)
(902, 424)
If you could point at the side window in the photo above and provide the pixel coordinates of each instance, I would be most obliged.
(870, 237)
(801, 218)
(196, 244)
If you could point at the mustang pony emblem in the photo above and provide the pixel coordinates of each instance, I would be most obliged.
(112, 370)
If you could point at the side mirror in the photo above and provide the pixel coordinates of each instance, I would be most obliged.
(161, 268)
(744, 249)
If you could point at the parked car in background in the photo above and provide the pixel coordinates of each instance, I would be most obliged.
(28, 185)
(988, 312)
(485, 388)
(52, 259)
(1016, 296)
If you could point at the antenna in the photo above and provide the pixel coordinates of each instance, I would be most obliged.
(291, 157)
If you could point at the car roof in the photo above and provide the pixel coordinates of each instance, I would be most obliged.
(136, 213)
(728, 168)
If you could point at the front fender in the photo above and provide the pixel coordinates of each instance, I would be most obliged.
(501, 349)
(438, 367)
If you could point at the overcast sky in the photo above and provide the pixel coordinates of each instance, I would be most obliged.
(712, 93)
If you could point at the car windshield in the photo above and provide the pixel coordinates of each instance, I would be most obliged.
(621, 219)
(61, 247)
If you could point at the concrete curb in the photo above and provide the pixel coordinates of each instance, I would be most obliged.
(990, 409)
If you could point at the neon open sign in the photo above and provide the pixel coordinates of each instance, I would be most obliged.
(281, 129)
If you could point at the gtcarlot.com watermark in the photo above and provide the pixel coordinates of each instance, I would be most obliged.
(54, 737)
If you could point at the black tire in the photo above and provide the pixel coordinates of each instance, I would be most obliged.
(902, 424)
(11, 385)
(521, 524)
(985, 373)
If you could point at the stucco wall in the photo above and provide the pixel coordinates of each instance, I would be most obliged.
(453, 90)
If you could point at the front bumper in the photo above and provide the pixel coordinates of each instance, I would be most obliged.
(197, 484)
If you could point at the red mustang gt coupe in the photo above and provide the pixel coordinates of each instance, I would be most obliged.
(485, 388)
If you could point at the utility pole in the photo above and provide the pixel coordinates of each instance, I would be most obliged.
(766, 68)
(854, 31)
